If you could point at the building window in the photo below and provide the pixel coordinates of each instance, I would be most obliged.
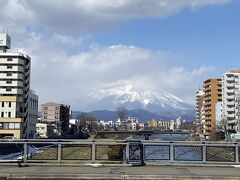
(9, 104)
(17, 125)
(2, 104)
(2, 114)
(9, 82)
(11, 126)
(9, 66)
(9, 73)
(56, 117)
(1, 125)
(5, 126)
(8, 89)
(9, 114)
(9, 59)
(56, 108)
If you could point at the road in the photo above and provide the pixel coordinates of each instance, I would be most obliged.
(119, 172)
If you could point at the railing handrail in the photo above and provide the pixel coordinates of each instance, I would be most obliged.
(2, 141)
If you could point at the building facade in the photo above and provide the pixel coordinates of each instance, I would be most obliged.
(199, 106)
(152, 123)
(58, 115)
(199, 112)
(33, 114)
(230, 90)
(212, 89)
(14, 91)
(44, 130)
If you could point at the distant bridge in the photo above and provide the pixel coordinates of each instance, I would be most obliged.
(144, 133)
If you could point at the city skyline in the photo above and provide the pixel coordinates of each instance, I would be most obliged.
(90, 45)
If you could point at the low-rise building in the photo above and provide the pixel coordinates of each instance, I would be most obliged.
(164, 125)
(153, 123)
(44, 130)
(58, 115)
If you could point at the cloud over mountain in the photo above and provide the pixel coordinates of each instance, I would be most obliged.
(52, 32)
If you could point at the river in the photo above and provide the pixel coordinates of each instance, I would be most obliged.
(164, 137)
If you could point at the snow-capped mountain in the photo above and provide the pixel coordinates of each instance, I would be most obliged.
(132, 98)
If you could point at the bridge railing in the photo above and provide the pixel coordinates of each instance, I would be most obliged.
(110, 151)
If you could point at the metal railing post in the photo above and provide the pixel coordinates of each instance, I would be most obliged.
(59, 152)
(93, 152)
(25, 152)
(204, 152)
(127, 152)
(236, 153)
(171, 153)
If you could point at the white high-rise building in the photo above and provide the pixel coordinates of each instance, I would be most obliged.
(230, 90)
(199, 106)
(14, 91)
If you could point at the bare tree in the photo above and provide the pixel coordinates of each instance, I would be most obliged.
(88, 122)
(122, 115)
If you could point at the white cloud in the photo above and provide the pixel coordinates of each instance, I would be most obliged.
(83, 17)
(45, 28)
(58, 76)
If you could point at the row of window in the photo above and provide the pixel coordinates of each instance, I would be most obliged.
(51, 112)
(46, 108)
(40, 128)
(6, 104)
(2, 64)
(9, 114)
(45, 117)
(9, 125)
(9, 58)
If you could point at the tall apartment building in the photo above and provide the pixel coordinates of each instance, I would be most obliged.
(230, 90)
(57, 114)
(199, 112)
(199, 106)
(14, 90)
(212, 89)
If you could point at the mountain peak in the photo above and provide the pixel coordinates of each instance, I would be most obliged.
(136, 98)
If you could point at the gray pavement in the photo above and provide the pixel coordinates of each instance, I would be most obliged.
(120, 172)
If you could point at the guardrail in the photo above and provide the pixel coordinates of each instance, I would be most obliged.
(109, 151)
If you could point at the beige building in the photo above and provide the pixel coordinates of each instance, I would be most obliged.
(212, 89)
(14, 91)
(152, 123)
(58, 115)
(164, 124)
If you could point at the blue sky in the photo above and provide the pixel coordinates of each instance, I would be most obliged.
(81, 47)
(209, 36)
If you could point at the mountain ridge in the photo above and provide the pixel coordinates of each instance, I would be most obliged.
(132, 98)
(141, 114)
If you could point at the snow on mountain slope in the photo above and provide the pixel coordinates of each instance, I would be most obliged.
(132, 98)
